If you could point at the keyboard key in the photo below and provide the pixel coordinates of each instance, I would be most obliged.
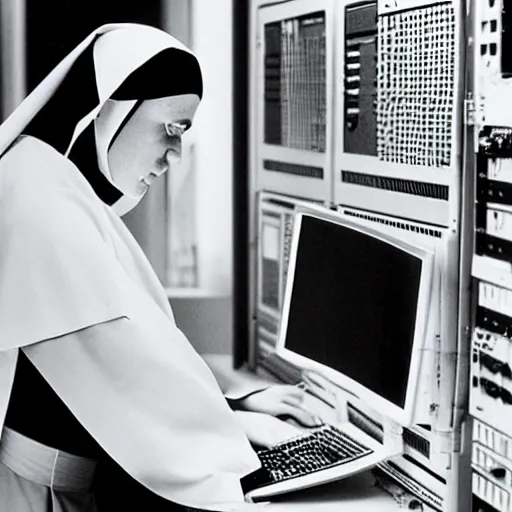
(318, 449)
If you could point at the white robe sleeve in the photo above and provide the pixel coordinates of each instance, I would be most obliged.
(160, 415)
(238, 391)
(58, 272)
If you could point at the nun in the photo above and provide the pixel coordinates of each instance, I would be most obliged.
(102, 398)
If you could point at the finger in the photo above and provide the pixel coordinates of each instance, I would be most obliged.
(301, 414)
(287, 389)
(293, 392)
(294, 398)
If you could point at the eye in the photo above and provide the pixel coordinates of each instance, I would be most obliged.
(177, 129)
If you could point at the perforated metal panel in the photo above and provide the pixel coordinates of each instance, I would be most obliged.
(389, 221)
(295, 75)
(415, 188)
(416, 86)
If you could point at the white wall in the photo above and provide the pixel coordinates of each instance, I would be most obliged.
(206, 316)
(206, 321)
(211, 24)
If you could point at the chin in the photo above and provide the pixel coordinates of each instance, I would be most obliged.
(141, 192)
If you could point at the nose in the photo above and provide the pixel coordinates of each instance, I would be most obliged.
(173, 154)
(176, 146)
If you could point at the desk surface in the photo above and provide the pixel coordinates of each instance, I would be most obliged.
(355, 494)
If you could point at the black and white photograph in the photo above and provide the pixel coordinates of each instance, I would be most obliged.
(256, 255)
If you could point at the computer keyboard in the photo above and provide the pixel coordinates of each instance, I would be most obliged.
(320, 448)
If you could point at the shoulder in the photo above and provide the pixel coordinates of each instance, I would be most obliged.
(42, 191)
(28, 157)
(33, 165)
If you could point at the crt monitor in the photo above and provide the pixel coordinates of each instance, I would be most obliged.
(355, 309)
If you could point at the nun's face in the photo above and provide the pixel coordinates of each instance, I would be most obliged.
(150, 142)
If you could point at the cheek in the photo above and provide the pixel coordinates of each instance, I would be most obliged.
(143, 153)
(124, 169)
(138, 151)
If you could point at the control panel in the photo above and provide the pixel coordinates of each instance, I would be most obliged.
(491, 344)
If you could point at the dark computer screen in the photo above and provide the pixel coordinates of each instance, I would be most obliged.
(353, 306)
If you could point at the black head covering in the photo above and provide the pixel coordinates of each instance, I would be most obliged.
(170, 72)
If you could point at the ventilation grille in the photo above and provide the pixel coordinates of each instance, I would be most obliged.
(396, 473)
(308, 171)
(295, 83)
(396, 224)
(418, 443)
(413, 188)
(416, 85)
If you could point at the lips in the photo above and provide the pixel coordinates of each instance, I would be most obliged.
(163, 163)
(149, 179)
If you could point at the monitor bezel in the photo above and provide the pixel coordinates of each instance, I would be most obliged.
(355, 390)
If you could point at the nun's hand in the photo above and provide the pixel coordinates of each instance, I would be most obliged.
(264, 430)
(283, 401)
